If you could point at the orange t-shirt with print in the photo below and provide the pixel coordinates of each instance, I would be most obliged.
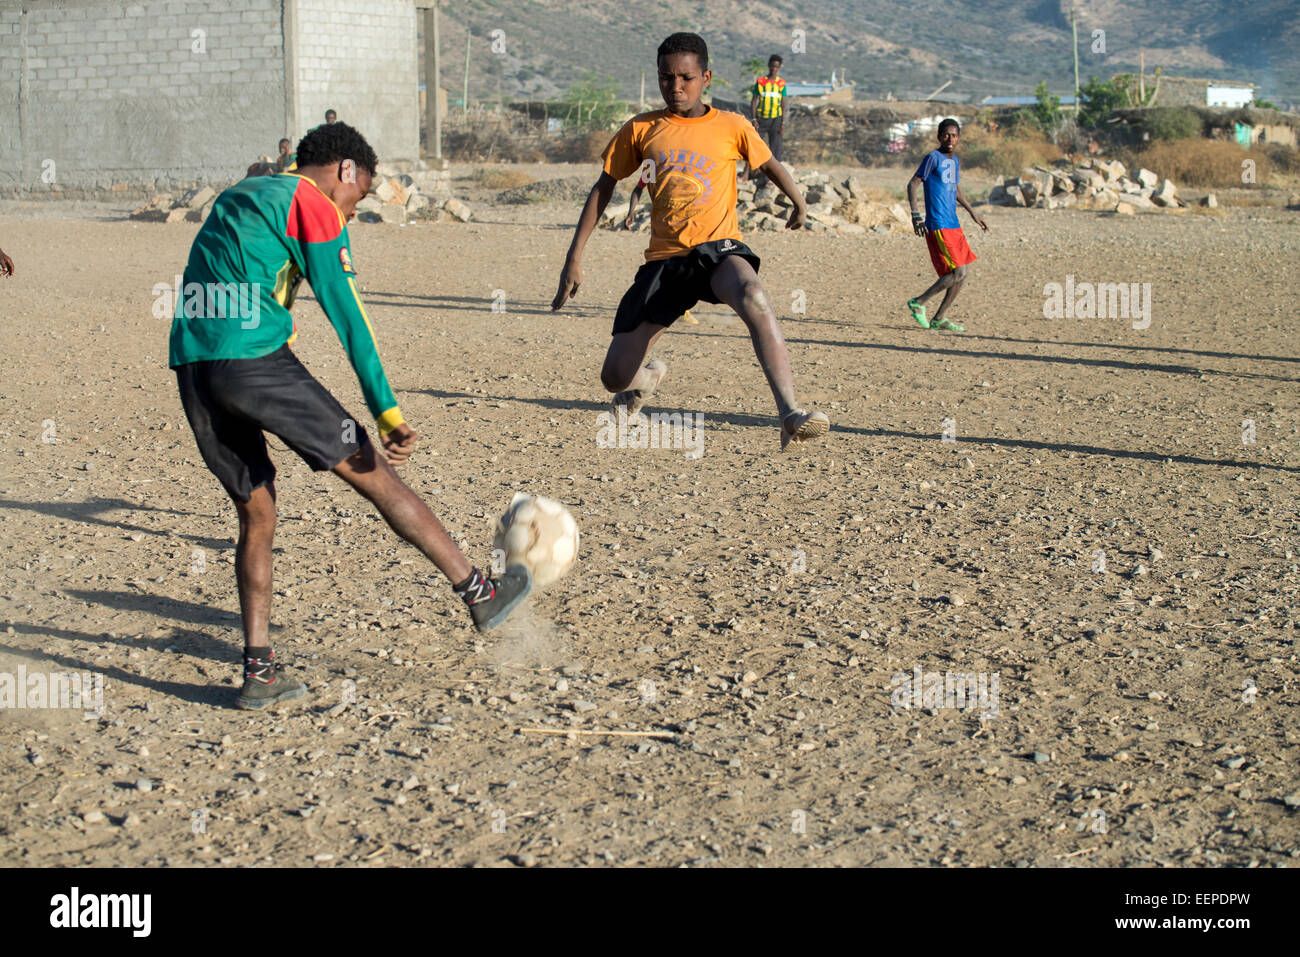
(694, 188)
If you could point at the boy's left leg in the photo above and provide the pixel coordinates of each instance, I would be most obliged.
(959, 276)
(736, 283)
(490, 600)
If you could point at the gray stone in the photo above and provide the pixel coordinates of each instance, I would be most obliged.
(458, 210)
(198, 198)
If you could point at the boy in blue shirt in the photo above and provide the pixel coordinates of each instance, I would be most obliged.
(940, 174)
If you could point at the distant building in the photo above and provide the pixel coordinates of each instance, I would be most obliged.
(1187, 91)
(1019, 101)
(1229, 96)
(834, 91)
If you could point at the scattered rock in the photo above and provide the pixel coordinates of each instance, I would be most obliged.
(458, 210)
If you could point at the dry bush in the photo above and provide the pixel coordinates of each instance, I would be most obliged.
(582, 147)
(592, 145)
(882, 194)
(500, 178)
(1005, 155)
(1202, 163)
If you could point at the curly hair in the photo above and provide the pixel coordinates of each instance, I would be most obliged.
(334, 142)
(686, 43)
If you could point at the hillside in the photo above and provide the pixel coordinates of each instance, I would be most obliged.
(982, 46)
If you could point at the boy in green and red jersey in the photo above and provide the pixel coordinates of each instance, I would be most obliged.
(695, 249)
(285, 160)
(238, 378)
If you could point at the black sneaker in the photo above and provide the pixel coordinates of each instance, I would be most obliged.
(491, 603)
(265, 684)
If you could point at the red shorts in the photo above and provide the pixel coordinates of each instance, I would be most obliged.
(948, 250)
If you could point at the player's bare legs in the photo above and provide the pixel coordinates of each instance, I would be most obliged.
(624, 372)
(253, 563)
(404, 511)
(735, 283)
(627, 351)
(952, 281)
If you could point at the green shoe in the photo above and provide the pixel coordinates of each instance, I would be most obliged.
(265, 684)
(948, 325)
(918, 313)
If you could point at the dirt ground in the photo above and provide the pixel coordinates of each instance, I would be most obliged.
(754, 607)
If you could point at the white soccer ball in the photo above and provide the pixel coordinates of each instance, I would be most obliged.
(540, 534)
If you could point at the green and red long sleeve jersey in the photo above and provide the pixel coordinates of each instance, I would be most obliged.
(264, 236)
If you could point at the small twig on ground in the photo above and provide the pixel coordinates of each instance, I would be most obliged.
(620, 734)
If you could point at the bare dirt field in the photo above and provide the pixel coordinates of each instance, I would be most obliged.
(1109, 540)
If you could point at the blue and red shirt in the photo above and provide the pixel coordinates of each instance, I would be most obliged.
(939, 174)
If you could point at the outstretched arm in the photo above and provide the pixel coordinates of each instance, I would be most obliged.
(774, 171)
(571, 275)
(961, 198)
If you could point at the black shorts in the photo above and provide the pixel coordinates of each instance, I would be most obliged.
(665, 288)
(230, 402)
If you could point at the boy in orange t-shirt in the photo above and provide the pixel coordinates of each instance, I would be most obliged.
(687, 153)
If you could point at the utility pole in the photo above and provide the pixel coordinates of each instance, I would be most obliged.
(1074, 30)
(465, 93)
(432, 82)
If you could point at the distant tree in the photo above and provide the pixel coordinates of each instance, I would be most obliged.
(1137, 91)
(1047, 111)
(594, 102)
(1098, 101)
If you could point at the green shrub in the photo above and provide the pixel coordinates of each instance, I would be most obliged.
(1169, 123)
(1098, 100)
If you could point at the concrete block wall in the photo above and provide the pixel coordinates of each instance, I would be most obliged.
(360, 58)
(171, 91)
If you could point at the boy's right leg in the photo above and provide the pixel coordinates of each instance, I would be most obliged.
(265, 682)
(626, 373)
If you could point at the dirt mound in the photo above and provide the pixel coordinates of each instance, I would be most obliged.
(570, 189)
